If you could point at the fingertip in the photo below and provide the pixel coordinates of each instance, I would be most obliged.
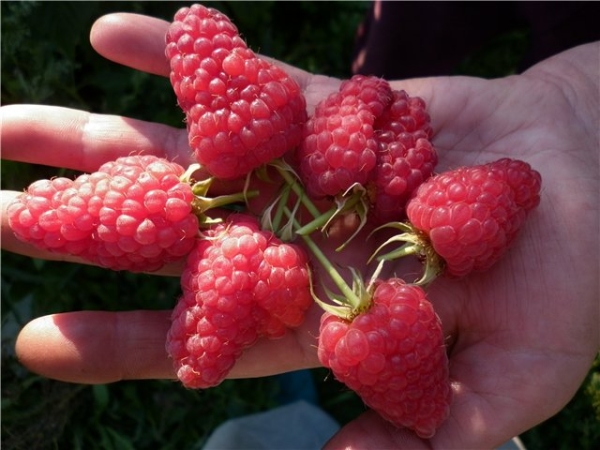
(132, 40)
(96, 347)
(34, 346)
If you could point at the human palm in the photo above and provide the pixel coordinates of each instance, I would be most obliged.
(521, 337)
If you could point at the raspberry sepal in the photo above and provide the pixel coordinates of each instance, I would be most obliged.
(415, 243)
(203, 202)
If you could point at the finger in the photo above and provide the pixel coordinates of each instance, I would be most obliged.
(104, 347)
(63, 137)
(132, 40)
(138, 42)
(369, 430)
(97, 347)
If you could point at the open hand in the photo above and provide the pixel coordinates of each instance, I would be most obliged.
(522, 336)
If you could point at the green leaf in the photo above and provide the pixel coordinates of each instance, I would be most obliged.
(101, 398)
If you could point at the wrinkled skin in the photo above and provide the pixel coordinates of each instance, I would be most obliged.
(522, 336)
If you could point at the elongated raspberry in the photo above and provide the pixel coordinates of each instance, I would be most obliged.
(471, 215)
(393, 356)
(132, 214)
(242, 111)
(239, 283)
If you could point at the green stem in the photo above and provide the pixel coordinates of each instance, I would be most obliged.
(201, 204)
(285, 195)
(186, 177)
(299, 191)
(323, 218)
(407, 249)
(316, 223)
(335, 276)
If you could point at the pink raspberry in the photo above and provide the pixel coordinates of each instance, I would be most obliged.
(370, 135)
(132, 214)
(242, 111)
(340, 143)
(239, 283)
(393, 356)
(471, 215)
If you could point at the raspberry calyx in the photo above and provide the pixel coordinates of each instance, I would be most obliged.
(203, 202)
(416, 243)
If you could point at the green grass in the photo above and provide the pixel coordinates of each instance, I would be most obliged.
(46, 58)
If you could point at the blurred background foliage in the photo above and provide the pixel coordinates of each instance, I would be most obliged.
(47, 59)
